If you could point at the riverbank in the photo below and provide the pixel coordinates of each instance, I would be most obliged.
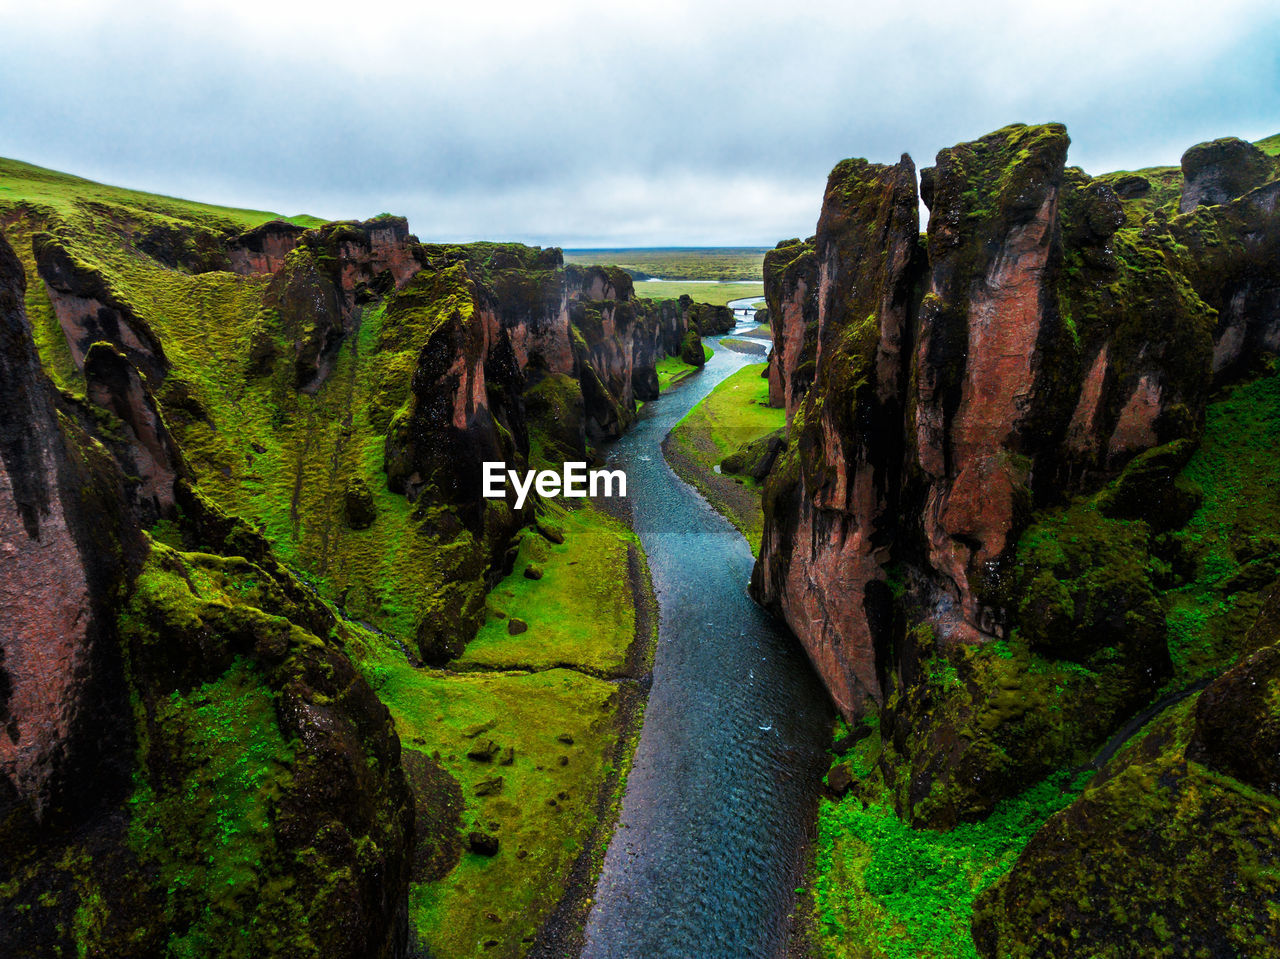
(525, 739)
(735, 414)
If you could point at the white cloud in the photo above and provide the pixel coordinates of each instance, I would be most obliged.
(658, 122)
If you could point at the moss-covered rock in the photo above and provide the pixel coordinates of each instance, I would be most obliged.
(1221, 170)
(691, 349)
(756, 458)
(358, 507)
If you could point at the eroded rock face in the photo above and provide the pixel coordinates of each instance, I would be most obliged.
(146, 450)
(98, 630)
(988, 328)
(89, 312)
(791, 290)
(1235, 265)
(1030, 351)
(264, 248)
(63, 549)
(821, 561)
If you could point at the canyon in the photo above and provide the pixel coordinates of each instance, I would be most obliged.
(285, 672)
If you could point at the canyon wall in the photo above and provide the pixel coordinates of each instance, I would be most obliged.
(1027, 348)
(221, 446)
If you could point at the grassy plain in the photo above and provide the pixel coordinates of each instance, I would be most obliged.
(679, 263)
(717, 294)
(733, 414)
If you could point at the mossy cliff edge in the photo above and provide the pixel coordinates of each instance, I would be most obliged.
(1024, 498)
(241, 493)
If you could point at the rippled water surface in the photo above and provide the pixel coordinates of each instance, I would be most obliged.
(706, 856)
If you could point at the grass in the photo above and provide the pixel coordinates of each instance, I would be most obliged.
(544, 810)
(579, 612)
(887, 891)
(673, 370)
(717, 294)
(685, 263)
(1271, 145)
(733, 414)
(582, 617)
(33, 185)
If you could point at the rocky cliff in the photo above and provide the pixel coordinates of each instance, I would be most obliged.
(237, 452)
(1021, 515)
(1026, 350)
(134, 676)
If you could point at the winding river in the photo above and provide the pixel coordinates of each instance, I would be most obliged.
(707, 853)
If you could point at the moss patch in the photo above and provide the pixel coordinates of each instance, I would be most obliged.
(542, 813)
(579, 613)
(887, 890)
(673, 370)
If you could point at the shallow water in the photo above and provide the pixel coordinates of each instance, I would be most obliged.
(706, 856)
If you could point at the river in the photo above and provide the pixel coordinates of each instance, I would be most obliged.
(707, 853)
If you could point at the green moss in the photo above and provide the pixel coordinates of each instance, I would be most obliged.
(544, 809)
(1179, 858)
(209, 833)
(579, 613)
(884, 889)
(1270, 145)
(672, 370)
(1235, 466)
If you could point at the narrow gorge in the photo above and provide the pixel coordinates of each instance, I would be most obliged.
(941, 616)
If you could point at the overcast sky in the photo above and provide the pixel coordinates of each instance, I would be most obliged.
(605, 123)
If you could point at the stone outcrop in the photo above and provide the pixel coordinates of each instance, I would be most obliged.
(1032, 348)
(65, 547)
(833, 496)
(1169, 848)
(89, 311)
(1234, 263)
(1221, 170)
(113, 652)
(264, 248)
(791, 290)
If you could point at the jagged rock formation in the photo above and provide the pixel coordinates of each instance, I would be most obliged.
(1030, 349)
(97, 621)
(66, 549)
(792, 294)
(1012, 513)
(193, 400)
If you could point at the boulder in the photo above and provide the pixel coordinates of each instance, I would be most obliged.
(1221, 170)
(756, 458)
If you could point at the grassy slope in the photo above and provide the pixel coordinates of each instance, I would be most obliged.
(546, 811)
(734, 413)
(1236, 466)
(883, 889)
(24, 182)
(281, 459)
(1270, 145)
(671, 371)
(573, 611)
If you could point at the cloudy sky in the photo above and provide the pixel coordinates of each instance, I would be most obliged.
(604, 123)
